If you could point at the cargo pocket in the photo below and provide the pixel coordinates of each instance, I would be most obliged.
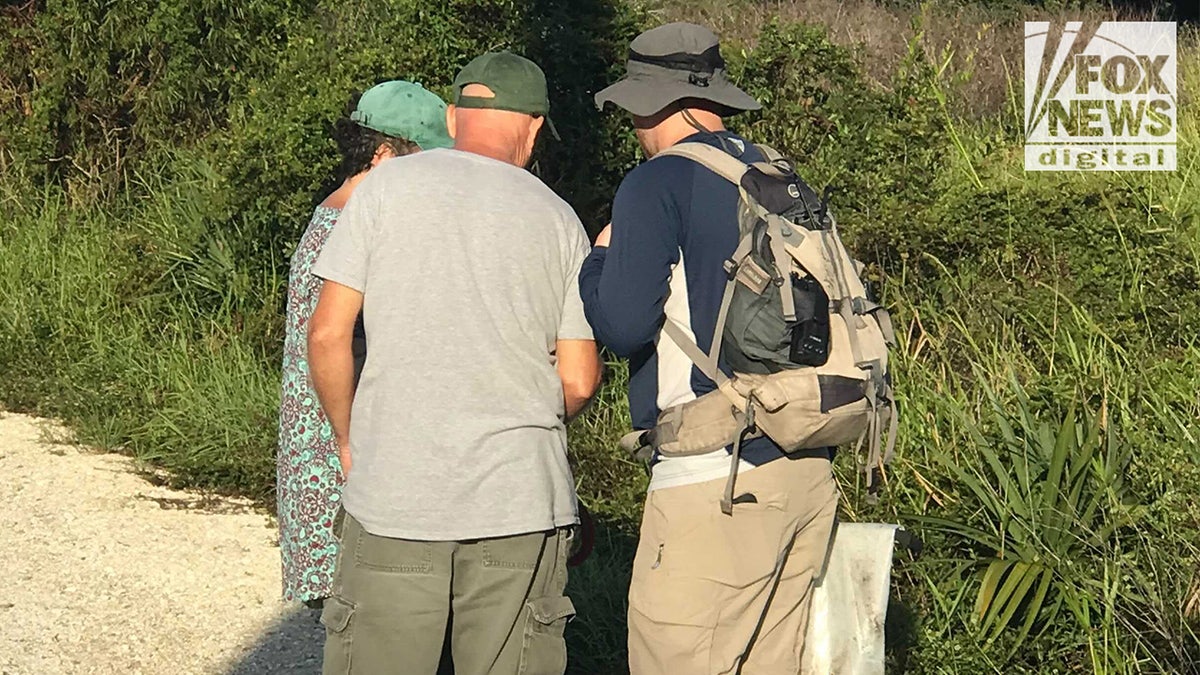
(545, 651)
(385, 554)
(338, 635)
(520, 552)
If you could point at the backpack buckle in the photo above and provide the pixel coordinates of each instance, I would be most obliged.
(731, 269)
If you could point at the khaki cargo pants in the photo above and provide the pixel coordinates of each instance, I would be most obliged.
(393, 598)
(716, 594)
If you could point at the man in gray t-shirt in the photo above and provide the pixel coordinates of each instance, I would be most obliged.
(458, 499)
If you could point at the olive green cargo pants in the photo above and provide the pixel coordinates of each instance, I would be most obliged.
(392, 599)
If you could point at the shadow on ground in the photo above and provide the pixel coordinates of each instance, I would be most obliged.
(291, 646)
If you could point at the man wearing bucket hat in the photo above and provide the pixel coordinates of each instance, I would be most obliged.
(710, 593)
(459, 501)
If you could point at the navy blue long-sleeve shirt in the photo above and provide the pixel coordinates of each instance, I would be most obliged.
(674, 224)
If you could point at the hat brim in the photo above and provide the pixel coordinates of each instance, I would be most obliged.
(645, 96)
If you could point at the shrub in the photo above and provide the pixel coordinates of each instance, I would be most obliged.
(154, 181)
(93, 85)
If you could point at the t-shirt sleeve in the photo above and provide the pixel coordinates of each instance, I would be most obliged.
(346, 253)
(574, 324)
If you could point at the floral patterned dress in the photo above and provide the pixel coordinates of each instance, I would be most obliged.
(308, 474)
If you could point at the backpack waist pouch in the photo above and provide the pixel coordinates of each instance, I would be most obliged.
(798, 409)
(804, 408)
(708, 423)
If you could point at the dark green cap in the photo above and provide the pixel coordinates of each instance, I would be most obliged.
(518, 84)
(404, 110)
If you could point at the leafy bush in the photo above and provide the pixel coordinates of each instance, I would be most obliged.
(154, 181)
(91, 86)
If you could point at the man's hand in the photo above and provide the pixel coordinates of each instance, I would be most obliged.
(605, 236)
(331, 359)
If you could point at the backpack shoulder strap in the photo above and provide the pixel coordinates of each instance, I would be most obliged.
(731, 169)
(707, 363)
(720, 162)
(770, 154)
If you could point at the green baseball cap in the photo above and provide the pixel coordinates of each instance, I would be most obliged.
(405, 110)
(518, 84)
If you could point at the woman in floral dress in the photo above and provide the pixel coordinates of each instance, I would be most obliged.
(389, 120)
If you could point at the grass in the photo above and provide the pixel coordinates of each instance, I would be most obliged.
(1032, 308)
(99, 326)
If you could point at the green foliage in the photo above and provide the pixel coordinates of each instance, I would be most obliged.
(1006, 470)
(880, 149)
(1162, 9)
(160, 159)
(92, 85)
(143, 343)
(1049, 497)
(275, 155)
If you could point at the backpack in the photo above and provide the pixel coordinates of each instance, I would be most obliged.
(808, 348)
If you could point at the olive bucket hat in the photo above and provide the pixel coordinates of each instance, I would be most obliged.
(673, 62)
(405, 110)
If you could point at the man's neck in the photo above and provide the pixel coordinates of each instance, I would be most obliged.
(489, 150)
(683, 129)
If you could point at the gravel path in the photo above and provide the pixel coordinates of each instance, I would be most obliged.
(105, 572)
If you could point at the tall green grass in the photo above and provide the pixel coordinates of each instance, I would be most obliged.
(105, 323)
(1049, 453)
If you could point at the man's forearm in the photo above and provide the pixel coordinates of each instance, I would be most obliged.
(331, 363)
(580, 370)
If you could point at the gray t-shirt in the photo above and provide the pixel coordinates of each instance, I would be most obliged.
(468, 268)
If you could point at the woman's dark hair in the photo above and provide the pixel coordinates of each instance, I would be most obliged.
(357, 144)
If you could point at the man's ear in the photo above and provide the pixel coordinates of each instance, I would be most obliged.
(535, 125)
(452, 120)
